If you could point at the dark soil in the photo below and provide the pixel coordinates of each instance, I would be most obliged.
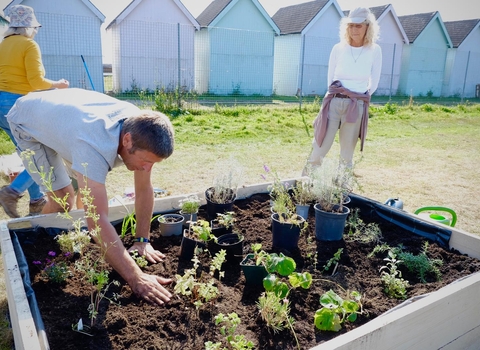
(135, 324)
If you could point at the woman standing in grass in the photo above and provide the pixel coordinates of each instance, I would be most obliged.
(21, 72)
(353, 74)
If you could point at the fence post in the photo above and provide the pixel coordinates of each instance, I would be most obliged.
(302, 62)
(465, 77)
(391, 76)
(179, 102)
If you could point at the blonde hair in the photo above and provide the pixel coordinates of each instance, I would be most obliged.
(26, 32)
(371, 36)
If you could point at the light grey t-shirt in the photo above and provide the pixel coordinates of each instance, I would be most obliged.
(82, 126)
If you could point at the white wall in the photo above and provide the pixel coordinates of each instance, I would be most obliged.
(153, 47)
(391, 42)
(463, 74)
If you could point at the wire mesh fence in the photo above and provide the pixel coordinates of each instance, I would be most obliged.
(220, 64)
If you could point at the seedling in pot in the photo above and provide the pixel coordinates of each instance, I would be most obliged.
(189, 205)
(226, 219)
(200, 230)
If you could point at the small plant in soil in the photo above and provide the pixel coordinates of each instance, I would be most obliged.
(311, 253)
(357, 230)
(140, 260)
(217, 262)
(129, 223)
(421, 264)
(200, 292)
(275, 311)
(333, 261)
(336, 310)
(73, 241)
(273, 304)
(393, 283)
(228, 328)
(54, 271)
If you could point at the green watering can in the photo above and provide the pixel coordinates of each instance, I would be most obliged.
(441, 219)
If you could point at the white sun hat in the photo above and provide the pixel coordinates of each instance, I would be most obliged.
(358, 15)
(22, 16)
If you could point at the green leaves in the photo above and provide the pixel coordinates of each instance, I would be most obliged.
(281, 264)
(336, 310)
(303, 280)
(327, 320)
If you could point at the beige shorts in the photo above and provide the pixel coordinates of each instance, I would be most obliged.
(45, 165)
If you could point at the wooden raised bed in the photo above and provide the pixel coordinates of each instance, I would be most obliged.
(447, 318)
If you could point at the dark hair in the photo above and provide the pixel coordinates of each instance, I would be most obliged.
(152, 132)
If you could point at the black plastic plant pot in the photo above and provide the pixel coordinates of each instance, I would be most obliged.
(214, 208)
(232, 243)
(302, 210)
(254, 274)
(187, 247)
(329, 226)
(285, 235)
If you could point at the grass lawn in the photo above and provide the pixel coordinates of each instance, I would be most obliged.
(426, 154)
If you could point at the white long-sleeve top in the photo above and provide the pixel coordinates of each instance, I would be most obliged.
(358, 68)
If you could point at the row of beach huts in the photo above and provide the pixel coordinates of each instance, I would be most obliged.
(235, 47)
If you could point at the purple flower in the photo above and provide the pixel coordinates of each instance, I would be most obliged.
(267, 169)
(52, 253)
(67, 254)
(36, 262)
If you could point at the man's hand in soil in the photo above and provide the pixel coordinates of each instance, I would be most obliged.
(145, 249)
(149, 287)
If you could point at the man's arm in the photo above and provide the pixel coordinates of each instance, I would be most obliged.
(146, 286)
(143, 214)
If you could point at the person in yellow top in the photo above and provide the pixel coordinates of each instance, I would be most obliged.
(21, 72)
